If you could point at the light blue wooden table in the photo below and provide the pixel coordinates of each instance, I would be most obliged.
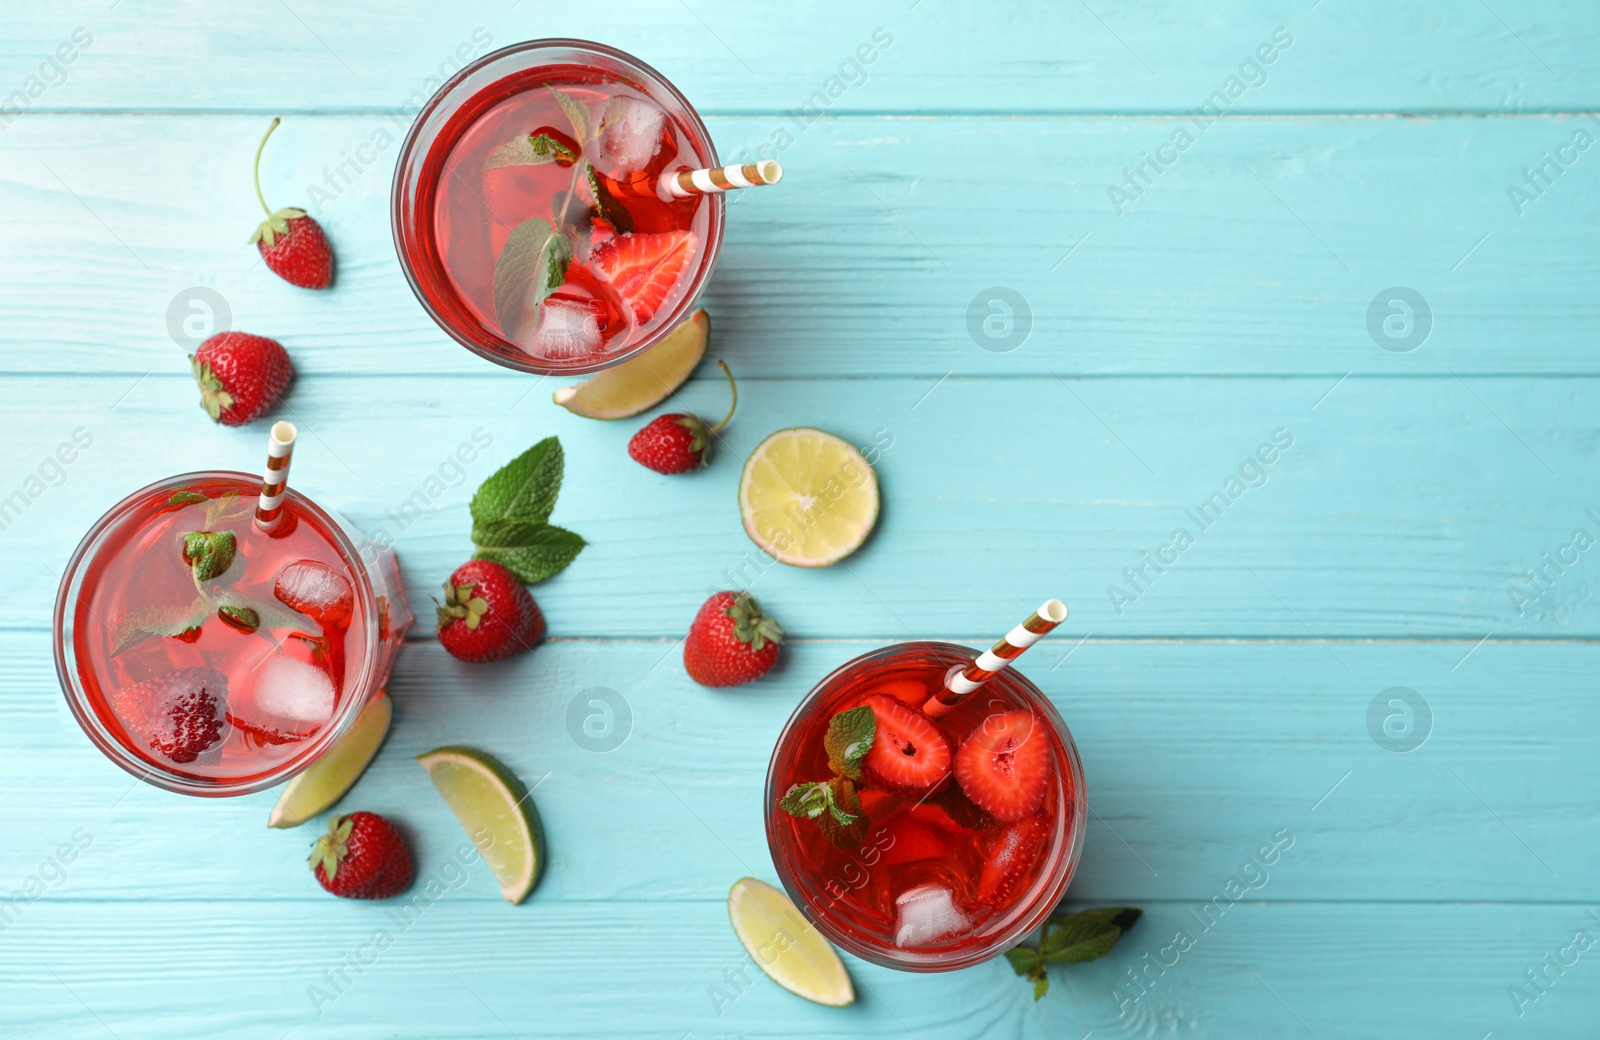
(1418, 533)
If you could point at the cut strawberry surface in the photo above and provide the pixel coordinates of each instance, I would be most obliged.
(909, 753)
(908, 839)
(644, 268)
(1011, 859)
(1004, 766)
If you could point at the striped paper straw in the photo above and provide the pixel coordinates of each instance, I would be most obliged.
(963, 681)
(684, 183)
(280, 445)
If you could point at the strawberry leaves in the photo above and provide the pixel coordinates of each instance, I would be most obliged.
(511, 513)
(1076, 938)
(532, 265)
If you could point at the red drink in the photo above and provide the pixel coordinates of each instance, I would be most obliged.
(968, 828)
(210, 658)
(527, 212)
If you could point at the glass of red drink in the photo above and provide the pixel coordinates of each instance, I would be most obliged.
(209, 658)
(966, 829)
(527, 211)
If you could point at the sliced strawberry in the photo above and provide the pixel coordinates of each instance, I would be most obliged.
(1011, 859)
(644, 268)
(909, 839)
(1004, 766)
(907, 691)
(908, 752)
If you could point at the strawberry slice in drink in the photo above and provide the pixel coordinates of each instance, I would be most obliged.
(908, 839)
(1012, 856)
(908, 751)
(644, 268)
(1004, 765)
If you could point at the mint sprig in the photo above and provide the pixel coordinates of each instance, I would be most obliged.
(511, 514)
(833, 804)
(530, 150)
(1076, 938)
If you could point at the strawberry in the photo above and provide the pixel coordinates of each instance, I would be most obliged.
(1012, 855)
(363, 856)
(488, 614)
(178, 714)
(731, 641)
(292, 244)
(1004, 766)
(240, 376)
(644, 268)
(678, 443)
(907, 839)
(908, 752)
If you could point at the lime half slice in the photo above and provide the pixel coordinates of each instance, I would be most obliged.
(785, 945)
(496, 812)
(324, 782)
(808, 498)
(644, 381)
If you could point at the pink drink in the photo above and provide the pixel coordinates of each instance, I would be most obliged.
(210, 658)
(928, 879)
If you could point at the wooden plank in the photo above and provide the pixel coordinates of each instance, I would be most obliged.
(1195, 756)
(870, 257)
(1104, 57)
(996, 493)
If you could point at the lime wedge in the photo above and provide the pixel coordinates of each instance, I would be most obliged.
(644, 381)
(785, 945)
(808, 498)
(496, 812)
(325, 781)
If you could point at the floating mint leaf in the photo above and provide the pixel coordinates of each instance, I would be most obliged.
(530, 267)
(244, 619)
(541, 550)
(849, 738)
(606, 204)
(845, 823)
(807, 801)
(523, 489)
(210, 553)
(268, 614)
(173, 621)
(187, 498)
(577, 113)
(530, 150)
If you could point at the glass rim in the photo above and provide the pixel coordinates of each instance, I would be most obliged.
(145, 769)
(1048, 892)
(492, 347)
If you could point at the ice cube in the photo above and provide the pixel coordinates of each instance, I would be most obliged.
(566, 330)
(294, 695)
(926, 913)
(315, 590)
(630, 135)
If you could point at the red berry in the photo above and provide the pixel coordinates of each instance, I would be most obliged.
(178, 714)
(731, 641)
(488, 614)
(678, 443)
(292, 244)
(644, 268)
(363, 856)
(1012, 855)
(908, 839)
(240, 376)
(908, 751)
(1004, 765)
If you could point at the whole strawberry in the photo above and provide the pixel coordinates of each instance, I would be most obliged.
(363, 856)
(731, 641)
(292, 244)
(678, 443)
(240, 376)
(487, 614)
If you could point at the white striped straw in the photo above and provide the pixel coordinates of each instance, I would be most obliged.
(962, 681)
(280, 445)
(681, 184)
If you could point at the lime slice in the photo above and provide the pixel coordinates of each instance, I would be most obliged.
(496, 811)
(325, 781)
(808, 498)
(785, 945)
(644, 381)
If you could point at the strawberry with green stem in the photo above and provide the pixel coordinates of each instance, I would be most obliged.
(678, 442)
(293, 245)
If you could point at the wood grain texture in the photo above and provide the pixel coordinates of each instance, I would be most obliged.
(1260, 250)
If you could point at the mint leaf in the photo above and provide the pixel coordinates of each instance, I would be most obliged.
(1087, 935)
(523, 489)
(849, 738)
(807, 801)
(1022, 959)
(187, 498)
(530, 267)
(245, 619)
(159, 621)
(267, 614)
(542, 551)
(210, 553)
(606, 204)
(530, 150)
(845, 823)
(577, 113)
(1124, 917)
